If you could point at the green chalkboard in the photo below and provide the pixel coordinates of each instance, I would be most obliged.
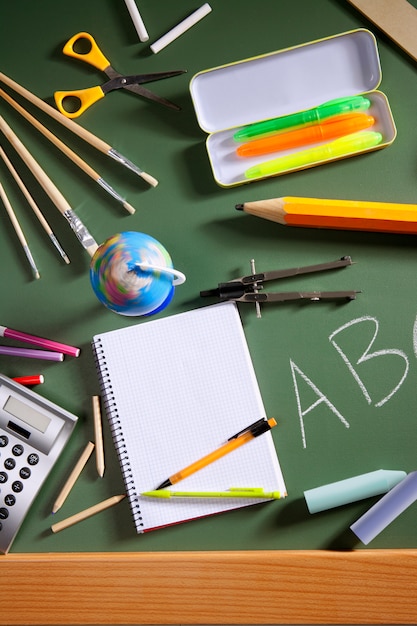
(339, 378)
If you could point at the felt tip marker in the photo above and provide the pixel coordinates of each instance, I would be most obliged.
(27, 353)
(28, 381)
(48, 344)
(303, 118)
(341, 147)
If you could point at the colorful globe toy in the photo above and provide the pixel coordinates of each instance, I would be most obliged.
(132, 274)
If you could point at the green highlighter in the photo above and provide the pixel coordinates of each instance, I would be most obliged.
(303, 118)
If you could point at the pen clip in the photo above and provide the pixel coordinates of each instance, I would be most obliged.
(257, 428)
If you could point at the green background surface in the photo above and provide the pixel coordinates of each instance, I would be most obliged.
(210, 242)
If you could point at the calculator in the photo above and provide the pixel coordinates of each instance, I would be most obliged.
(33, 433)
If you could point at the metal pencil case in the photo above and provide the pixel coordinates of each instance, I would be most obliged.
(295, 79)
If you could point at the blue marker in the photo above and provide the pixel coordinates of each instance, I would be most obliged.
(352, 489)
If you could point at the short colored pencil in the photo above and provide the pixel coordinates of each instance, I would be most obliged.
(82, 515)
(337, 214)
(98, 435)
(48, 344)
(70, 482)
(45, 355)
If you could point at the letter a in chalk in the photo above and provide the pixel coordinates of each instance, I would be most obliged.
(295, 370)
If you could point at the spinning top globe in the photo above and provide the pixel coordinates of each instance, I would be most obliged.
(132, 274)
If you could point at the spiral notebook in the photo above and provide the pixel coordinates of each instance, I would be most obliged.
(175, 389)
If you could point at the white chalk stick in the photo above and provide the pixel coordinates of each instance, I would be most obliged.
(181, 28)
(137, 20)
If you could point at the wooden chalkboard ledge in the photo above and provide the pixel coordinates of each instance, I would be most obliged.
(254, 587)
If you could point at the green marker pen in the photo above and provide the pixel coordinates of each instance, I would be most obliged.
(337, 148)
(303, 118)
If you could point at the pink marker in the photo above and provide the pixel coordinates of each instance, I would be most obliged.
(38, 341)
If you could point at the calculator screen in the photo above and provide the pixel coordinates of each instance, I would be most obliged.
(27, 414)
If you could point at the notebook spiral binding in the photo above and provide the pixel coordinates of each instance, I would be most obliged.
(116, 430)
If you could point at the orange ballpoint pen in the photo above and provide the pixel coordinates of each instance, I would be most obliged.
(332, 128)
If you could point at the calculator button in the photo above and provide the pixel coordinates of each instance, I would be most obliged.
(10, 500)
(17, 450)
(4, 513)
(17, 486)
(9, 464)
(33, 458)
(3, 441)
(3, 477)
(25, 472)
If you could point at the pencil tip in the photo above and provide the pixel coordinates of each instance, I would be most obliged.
(239, 207)
(165, 484)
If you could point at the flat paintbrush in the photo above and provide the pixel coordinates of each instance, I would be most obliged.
(83, 236)
(19, 231)
(67, 151)
(89, 137)
(33, 204)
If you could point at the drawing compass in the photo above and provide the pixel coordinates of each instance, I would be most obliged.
(249, 288)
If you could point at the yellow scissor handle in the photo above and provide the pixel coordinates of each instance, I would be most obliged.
(93, 54)
(78, 101)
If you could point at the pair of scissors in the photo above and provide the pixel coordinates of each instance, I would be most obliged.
(74, 103)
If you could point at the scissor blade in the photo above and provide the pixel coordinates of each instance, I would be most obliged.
(133, 83)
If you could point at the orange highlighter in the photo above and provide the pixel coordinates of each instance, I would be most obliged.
(335, 127)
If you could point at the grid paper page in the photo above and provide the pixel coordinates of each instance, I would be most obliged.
(178, 388)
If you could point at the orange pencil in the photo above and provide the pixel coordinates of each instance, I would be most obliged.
(386, 217)
(331, 129)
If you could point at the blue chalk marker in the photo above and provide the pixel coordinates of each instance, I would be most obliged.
(352, 489)
(387, 509)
